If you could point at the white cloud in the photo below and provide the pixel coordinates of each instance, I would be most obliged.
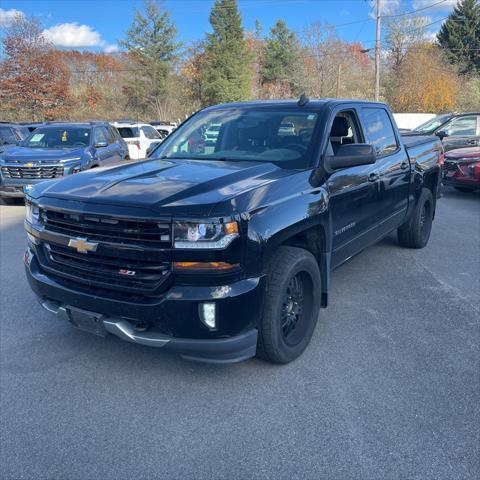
(388, 8)
(7, 16)
(446, 5)
(111, 48)
(73, 35)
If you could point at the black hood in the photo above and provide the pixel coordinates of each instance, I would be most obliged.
(164, 184)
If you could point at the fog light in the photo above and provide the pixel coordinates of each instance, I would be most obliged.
(208, 314)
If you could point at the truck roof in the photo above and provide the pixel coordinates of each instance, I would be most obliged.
(315, 103)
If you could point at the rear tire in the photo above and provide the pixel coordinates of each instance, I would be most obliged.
(416, 232)
(292, 303)
(464, 189)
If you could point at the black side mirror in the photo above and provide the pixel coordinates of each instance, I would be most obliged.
(352, 155)
(101, 145)
(441, 134)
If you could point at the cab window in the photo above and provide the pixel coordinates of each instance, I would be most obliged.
(379, 131)
(462, 126)
(344, 131)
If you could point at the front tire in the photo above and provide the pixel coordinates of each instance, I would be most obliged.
(416, 232)
(292, 303)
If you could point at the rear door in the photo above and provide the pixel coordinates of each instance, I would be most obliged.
(392, 165)
(462, 132)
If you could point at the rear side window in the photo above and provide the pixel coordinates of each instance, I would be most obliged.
(463, 126)
(128, 132)
(7, 136)
(150, 132)
(379, 131)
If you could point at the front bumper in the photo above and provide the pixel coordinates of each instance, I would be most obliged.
(172, 319)
(14, 188)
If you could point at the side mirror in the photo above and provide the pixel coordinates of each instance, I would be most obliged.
(101, 145)
(441, 134)
(353, 155)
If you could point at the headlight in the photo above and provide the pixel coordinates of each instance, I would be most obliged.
(74, 159)
(32, 212)
(204, 235)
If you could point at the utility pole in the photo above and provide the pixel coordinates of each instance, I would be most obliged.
(337, 84)
(377, 52)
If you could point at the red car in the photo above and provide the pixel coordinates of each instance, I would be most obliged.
(462, 169)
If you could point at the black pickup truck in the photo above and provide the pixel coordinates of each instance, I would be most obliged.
(221, 250)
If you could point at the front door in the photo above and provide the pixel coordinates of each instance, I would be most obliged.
(462, 132)
(353, 194)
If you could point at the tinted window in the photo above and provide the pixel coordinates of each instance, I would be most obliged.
(150, 132)
(462, 126)
(7, 136)
(100, 135)
(58, 137)
(379, 130)
(22, 132)
(128, 132)
(252, 134)
(110, 134)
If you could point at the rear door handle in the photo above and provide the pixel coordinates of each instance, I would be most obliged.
(472, 142)
(373, 177)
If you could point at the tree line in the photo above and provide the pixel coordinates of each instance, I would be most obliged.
(156, 77)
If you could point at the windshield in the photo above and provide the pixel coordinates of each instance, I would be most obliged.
(433, 124)
(244, 135)
(58, 137)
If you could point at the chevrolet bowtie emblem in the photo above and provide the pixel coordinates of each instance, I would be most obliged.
(82, 246)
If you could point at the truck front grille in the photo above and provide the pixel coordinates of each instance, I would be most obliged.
(32, 173)
(145, 233)
(133, 256)
(106, 272)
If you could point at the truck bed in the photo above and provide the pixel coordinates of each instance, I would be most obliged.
(411, 140)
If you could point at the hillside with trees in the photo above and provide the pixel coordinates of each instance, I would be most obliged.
(156, 77)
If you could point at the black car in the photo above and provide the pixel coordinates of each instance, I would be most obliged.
(456, 130)
(11, 134)
(219, 251)
(56, 149)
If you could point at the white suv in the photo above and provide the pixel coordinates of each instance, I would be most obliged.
(138, 136)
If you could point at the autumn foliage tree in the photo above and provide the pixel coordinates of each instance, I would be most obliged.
(431, 91)
(33, 82)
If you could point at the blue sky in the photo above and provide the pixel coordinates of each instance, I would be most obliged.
(98, 24)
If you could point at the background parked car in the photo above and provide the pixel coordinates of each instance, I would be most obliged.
(138, 136)
(461, 169)
(57, 149)
(456, 130)
(11, 134)
(164, 127)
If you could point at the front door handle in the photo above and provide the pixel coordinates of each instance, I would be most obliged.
(373, 177)
(404, 165)
(472, 142)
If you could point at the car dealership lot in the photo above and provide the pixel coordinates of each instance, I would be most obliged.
(389, 387)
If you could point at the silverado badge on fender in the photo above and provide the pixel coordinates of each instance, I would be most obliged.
(82, 245)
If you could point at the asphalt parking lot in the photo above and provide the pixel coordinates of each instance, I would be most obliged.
(388, 389)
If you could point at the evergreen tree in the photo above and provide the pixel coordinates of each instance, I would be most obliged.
(281, 56)
(460, 36)
(151, 42)
(226, 71)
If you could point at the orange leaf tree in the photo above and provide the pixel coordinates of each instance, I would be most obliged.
(33, 82)
(424, 82)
